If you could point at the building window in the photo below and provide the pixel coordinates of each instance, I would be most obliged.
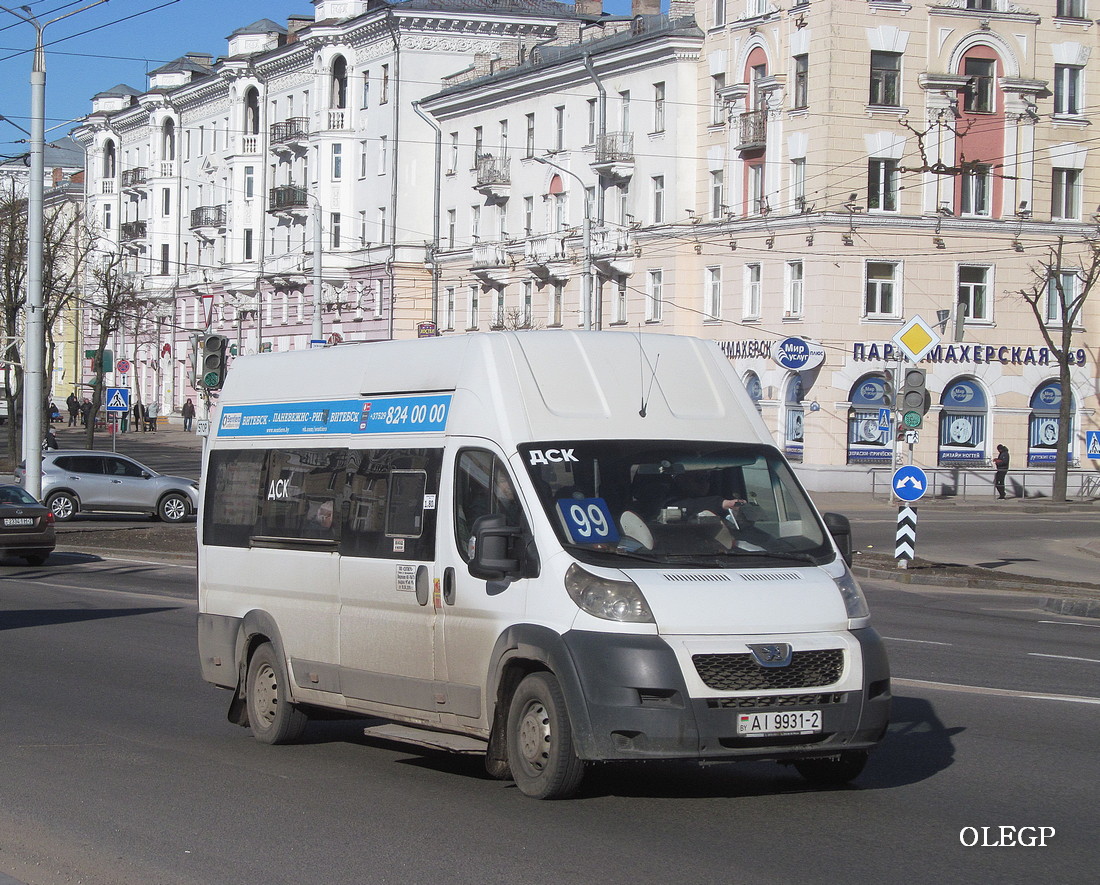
(452, 224)
(528, 216)
(801, 81)
(472, 306)
(449, 308)
(363, 227)
(718, 104)
(751, 295)
(385, 90)
(1067, 89)
(530, 137)
(383, 233)
(366, 89)
(1070, 9)
(527, 315)
(334, 222)
(383, 154)
(248, 244)
(882, 185)
(498, 309)
(885, 79)
(1065, 199)
(792, 306)
(249, 186)
(879, 297)
(107, 222)
(1061, 296)
(592, 121)
(620, 308)
(977, 179)
(475, 223)
(973, 291)
(798, 184)
(556, 297)
(717, 194)
(757, 204)
(559, 128)
(978, 97)
(719, 13)
(363, 159)
(166, 194)
(658, 107)
(658, 199)
(654, 296)
(624, 111)
(452, 165)
(337, 162)
(164, 259)
(713, 307)
(479, 146)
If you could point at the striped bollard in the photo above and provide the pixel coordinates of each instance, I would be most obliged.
(905, 543)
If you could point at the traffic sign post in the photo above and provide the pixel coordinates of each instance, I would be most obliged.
(1092, 443)
(909, 483)
(905, 541)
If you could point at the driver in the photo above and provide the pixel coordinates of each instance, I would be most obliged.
(691, 493)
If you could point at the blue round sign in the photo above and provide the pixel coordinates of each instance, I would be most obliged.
(909, 482)
(798, 354)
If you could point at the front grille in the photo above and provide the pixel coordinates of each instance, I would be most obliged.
(808, 669)
(759, 702)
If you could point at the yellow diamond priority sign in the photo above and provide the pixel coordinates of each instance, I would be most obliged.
(915, 339)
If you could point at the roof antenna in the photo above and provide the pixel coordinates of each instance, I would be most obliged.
(652, 376)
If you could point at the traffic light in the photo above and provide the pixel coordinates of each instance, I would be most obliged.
(212, 361)
(888, 389)
(914, 394)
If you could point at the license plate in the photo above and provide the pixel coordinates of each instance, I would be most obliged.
(787, 722)
(16, 521)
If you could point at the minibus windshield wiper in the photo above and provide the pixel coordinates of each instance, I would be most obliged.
(619, 553)
(774, 554)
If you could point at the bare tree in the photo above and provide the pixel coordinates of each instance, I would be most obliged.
(113, 302)
(1060, 287)
(516, 319)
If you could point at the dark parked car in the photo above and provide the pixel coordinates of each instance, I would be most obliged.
(26, 526)
(75, 480)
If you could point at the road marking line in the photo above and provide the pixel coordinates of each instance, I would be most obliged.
(1036, 654)
(1002, 692)
(921, 641)
(1070, 624)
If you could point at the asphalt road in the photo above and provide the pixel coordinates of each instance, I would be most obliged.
(119, 766)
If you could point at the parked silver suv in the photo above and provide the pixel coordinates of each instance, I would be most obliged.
(74, 480)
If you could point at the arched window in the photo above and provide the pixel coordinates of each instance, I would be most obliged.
(558, 196)
(109, 159)
(868, 435)
(963, 423)
(339, 83)
(252, 111)
(168, 140)
(754, 388)
(1044, 426)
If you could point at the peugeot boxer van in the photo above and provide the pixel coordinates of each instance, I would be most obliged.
(551, 548)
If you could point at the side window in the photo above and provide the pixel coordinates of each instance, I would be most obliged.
(119, 467)
(81, 464)
(234, 490)
(303, 495)
(482, 488)
(391, 503)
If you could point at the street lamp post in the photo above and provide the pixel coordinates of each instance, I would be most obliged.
(589, 275)
(34, 371)
(317, 331)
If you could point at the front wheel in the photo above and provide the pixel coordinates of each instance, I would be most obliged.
(540, 740)
(173, 508)
(834, 771)
(271, 716)
(63, 505)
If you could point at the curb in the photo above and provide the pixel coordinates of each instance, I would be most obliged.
(121, 553)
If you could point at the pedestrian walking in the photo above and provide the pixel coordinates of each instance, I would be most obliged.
(73, 405)
(85, 412)
(140, 418)
(152, 411)
(188, 412)
(1000, 464)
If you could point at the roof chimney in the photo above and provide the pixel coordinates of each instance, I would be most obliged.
(645, 7)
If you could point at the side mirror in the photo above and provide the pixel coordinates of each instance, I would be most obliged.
(841, 530)
(494, 541)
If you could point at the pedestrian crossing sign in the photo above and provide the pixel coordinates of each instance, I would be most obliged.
(1092, 443)
(118, 399)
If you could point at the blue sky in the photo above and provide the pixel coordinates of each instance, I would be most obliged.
(116, 42)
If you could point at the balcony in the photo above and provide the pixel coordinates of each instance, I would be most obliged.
(547, 257)
(288, 199)
(611, 250)
(134, 179)
(752, 130)
(490, 261)
(494, 179)
(107, 186)
(338, 118)
(208, 219)
(166, 169)
(250, 144)
(615, 154)
(133, 234)
(290, 134)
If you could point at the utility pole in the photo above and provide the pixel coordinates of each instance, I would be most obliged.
(34, 371)
(317, 300)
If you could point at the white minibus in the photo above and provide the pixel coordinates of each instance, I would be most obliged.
(554, 548)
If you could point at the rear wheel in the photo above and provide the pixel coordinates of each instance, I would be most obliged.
(173, 508)
(540, 740)
(833, 771)
(271, 716)
(63, 505)
(36, 558)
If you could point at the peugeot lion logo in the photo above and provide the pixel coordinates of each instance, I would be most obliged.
(774, 654)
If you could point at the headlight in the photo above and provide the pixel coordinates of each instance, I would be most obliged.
(609, 600)
(854, 600)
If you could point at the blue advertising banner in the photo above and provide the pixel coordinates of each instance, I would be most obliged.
(385, 414)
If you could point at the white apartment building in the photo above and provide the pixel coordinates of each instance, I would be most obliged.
(823, 172)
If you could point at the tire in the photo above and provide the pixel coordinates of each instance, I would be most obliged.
(173, 508)
(498, 769)
(540, 740)
(36, 558)
(271, 716)
(63, 505)
(834, 771)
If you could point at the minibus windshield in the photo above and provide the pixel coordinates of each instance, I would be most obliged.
(666, 502)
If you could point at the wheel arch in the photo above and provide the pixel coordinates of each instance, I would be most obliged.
(256, 628)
